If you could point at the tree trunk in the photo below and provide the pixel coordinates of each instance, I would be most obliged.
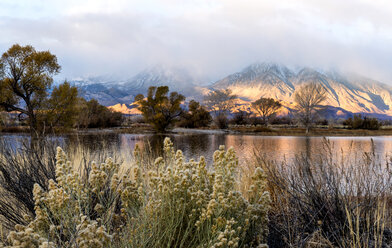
(32, 121)
(265, 121)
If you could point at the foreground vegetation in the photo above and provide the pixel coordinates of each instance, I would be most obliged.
(330, 200)
(172, 204)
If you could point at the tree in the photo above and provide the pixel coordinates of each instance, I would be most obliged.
(63, 106)
(94, 115)
(26, 75)
(2, 120)
(159, 109)
(359, 122)
(266, 107)
(308, 99)
(197, 116)
(241, 117)
(220, 102)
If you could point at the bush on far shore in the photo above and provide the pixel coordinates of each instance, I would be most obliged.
(196, 116)
(362, 122)
(241, 118)
(95, 115)
(282, 120)
(221, 121)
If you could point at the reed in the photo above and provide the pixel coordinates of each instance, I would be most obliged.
(342, 200)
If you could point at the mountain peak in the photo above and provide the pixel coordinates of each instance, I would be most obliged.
(354, 94)
(163, 75)
(263, 67)
(258, 69)
(267, 72)
(176, 78)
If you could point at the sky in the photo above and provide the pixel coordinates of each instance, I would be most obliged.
(210, 38)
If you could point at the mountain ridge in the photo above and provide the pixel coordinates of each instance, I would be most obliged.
(348, 91)
(353, 93)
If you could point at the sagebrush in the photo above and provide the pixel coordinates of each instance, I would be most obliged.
(178, 203)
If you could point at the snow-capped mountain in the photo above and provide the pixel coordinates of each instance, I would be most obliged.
(177, 80)
(111, 92)
(347, 93)
(350, 92)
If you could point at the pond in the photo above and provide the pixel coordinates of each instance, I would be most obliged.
(196, 144)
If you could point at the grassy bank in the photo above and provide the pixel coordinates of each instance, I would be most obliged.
(325, 131)
(15, 129)
(270, 130)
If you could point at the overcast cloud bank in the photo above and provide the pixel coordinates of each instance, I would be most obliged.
(209, 38)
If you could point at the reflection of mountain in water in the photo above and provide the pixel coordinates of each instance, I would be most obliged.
(196, 145)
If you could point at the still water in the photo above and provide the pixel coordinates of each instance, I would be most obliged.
(195, 145)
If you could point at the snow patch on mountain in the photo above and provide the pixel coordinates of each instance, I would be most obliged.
(350, 92)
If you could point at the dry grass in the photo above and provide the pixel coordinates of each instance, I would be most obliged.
(332, 196)
(365, 228)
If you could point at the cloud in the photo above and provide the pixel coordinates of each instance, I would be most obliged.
(210, 38)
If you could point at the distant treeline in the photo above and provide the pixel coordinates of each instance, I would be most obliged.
(164, 109)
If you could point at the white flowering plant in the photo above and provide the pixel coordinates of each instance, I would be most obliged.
(179, 203)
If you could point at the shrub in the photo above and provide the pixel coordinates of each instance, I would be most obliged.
(20, 168)
(177, 204)
(221, 121)
(322, 122)
(196, 117)
(284, 120)
(241, 118)
(95, 115)
(359, 122)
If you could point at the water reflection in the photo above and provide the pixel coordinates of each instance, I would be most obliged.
(195, 145)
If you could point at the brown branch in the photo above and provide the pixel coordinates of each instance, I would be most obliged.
(10, 107)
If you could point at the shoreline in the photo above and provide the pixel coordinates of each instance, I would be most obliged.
(237, 130)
